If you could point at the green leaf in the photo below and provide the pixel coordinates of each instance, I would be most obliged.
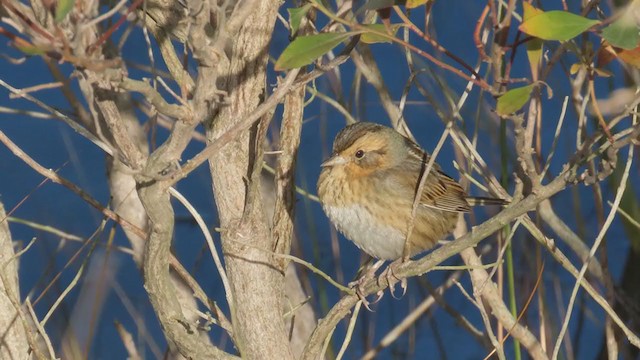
(415, 3)
(530, 11)
(380, 4)
(513, 100)
(372, 38)
(63, 8)
(304, 49)
(296, 15)
(31, 49)
(534, 47)
(623, 33)
(557, 25)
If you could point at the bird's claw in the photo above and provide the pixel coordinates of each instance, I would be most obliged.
(366, 302)
(403, 286)
(388, 274)
(392, 280)
(358, 286)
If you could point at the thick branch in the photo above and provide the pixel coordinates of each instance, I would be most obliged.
(180, 333)
(256, 277)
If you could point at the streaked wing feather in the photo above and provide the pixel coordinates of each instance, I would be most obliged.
(481, 201)
(443, 193)
(440, 192)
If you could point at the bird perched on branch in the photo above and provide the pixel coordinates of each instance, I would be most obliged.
(368, 186)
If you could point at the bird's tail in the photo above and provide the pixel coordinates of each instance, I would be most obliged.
(482, 201)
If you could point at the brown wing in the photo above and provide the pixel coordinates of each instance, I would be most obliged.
(443, 193)
(440, 191)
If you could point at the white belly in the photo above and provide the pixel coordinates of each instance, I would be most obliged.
(357, 225)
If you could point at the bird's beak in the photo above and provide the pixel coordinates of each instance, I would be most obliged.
(334, 161)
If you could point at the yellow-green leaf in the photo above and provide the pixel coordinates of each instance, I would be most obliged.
(575, 68)
(410, 4)
(304, 49)
(370, 37)
(63, 8)
(534, 46)
(557, 25)
(296, 15)
(513, 100)
(30, 49)
(530, 11)
(380, 4)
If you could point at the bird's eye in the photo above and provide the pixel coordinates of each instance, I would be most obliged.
(359, 154)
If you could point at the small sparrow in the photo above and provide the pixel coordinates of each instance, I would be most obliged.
(368, 186)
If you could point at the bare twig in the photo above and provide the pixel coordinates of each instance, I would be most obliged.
(151, 95)
(417, 196)
(411, 318)
(352, 324)
(209, 240)
(40, 328)
(612, 213)
(56, 178)
(498, 308)
(75, 126)
(127, 341)
(35, 88)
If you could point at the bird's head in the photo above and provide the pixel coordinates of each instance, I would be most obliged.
(364, 148)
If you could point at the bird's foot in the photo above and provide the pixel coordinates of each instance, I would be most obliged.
(359, 284)
(392, 279)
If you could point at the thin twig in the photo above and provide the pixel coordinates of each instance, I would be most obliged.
(73, 282)
(566, 263)
(336, 105)
(596, 109)
(418, 195)
(612, 213)
(626, 215)
(35, 88)
(33, 114)
(127, 341)
(154, 97)
(352, 325)
(132, 311)
(523, 311)
(64, 235)
(56, 178)
(209, 239)
(435, 44)
(204, 155)
(411, 318)
(556, 137)
(18, 254)
(105, 16)
(40, 328)
(315, 270)
(74, 125)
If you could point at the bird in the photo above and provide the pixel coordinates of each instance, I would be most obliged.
(368, 186)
